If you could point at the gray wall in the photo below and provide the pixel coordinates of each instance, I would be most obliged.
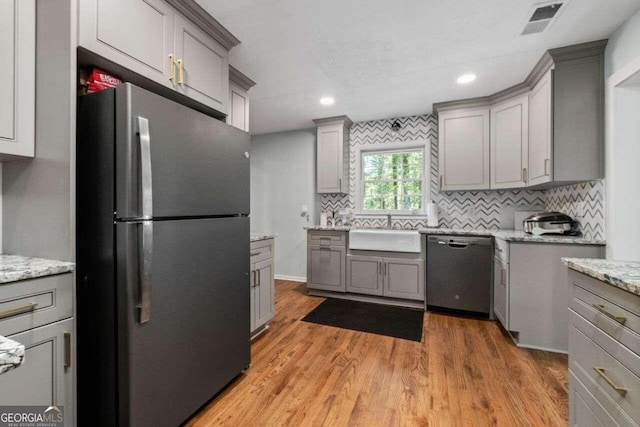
(283, 178)
(623, 46)
(38, 206)
(622, 147)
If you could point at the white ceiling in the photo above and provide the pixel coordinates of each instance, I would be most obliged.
(383, 59)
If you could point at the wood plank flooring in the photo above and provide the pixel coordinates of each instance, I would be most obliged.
(464, 373)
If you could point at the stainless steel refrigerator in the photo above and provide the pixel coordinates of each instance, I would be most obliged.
(162, 258)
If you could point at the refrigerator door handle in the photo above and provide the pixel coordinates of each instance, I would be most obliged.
(145, 168)
(146, 250)
(145, 257)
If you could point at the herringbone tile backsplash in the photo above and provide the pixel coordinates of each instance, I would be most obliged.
(469, 209)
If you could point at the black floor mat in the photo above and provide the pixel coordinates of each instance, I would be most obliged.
(398, 322)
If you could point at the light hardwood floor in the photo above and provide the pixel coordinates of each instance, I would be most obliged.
(464, 373)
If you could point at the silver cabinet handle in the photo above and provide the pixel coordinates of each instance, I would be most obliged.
(258, 277)
(601, 371)
(145, 168)
(525, 176)
(547, 166)
(620, 319)
(256, 253)
(146, 249)
(503, 277)
(67, 350)
(17, 310)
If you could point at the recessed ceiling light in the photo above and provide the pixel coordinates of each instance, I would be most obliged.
(327, 100)
(466, 78)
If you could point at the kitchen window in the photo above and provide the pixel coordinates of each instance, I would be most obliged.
(393, 180)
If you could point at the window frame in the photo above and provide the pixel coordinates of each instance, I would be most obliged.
(393, 147)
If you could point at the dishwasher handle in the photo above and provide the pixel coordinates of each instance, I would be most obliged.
(458, 245)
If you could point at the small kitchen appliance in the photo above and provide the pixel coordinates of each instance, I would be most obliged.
(549, 223)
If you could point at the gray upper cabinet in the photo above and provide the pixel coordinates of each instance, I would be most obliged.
(202, 65)
(464, 149)
(540, 130)
(509, 143)
(545, 132)
(17, 86)
(239, 86)
(137, 34)
(333, 154)
(151, 38)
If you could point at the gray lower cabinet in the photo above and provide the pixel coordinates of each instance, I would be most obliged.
(501, 291)
(536, 302)
(262, 292)
(404, 278)
(604, 354)
(46, 376)
(364, 275)
(326, 268)
(38, 313)
(386, 276)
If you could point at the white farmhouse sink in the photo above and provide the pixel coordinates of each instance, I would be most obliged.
(385, 240)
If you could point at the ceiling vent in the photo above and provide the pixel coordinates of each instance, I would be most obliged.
(541, 16)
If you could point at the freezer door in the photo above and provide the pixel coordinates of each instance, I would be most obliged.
(199, 165)
(196, 339)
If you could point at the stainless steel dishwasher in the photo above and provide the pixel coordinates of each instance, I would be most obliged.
(459, 274)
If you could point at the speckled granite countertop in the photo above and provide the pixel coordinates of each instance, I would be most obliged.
(15, 267)
(521, 236)
(336, 228)
(256, 237)
(509, 235)
(11, 354)
(621, 274)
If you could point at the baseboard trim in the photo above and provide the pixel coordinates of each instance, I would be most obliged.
(291, 278)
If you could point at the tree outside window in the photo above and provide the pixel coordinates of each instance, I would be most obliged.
(393, 181)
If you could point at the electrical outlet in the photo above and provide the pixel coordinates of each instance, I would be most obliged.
(581, 209)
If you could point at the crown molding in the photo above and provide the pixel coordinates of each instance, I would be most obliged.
(550, 58)
(240, 79)
(334, 120)
(207, 23)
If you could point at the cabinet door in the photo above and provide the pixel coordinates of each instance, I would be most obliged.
(326, 268)
(264, 292)
(540, 130)
(404, 278)
(253, 279)
(509, 143)
(238, 107)
(137, 34)
(43, 378)
(17, 85)
(202, 66)
(330, 158)
(364, 275)
(464, 149)
(501, 291)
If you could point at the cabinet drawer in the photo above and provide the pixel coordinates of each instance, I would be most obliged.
(586, 411)
(502, 249)
(261, 250)
(609, 379)
(31, 303)
(618, 321)
(327, 238)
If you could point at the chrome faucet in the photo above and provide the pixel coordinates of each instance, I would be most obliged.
(389, 220)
